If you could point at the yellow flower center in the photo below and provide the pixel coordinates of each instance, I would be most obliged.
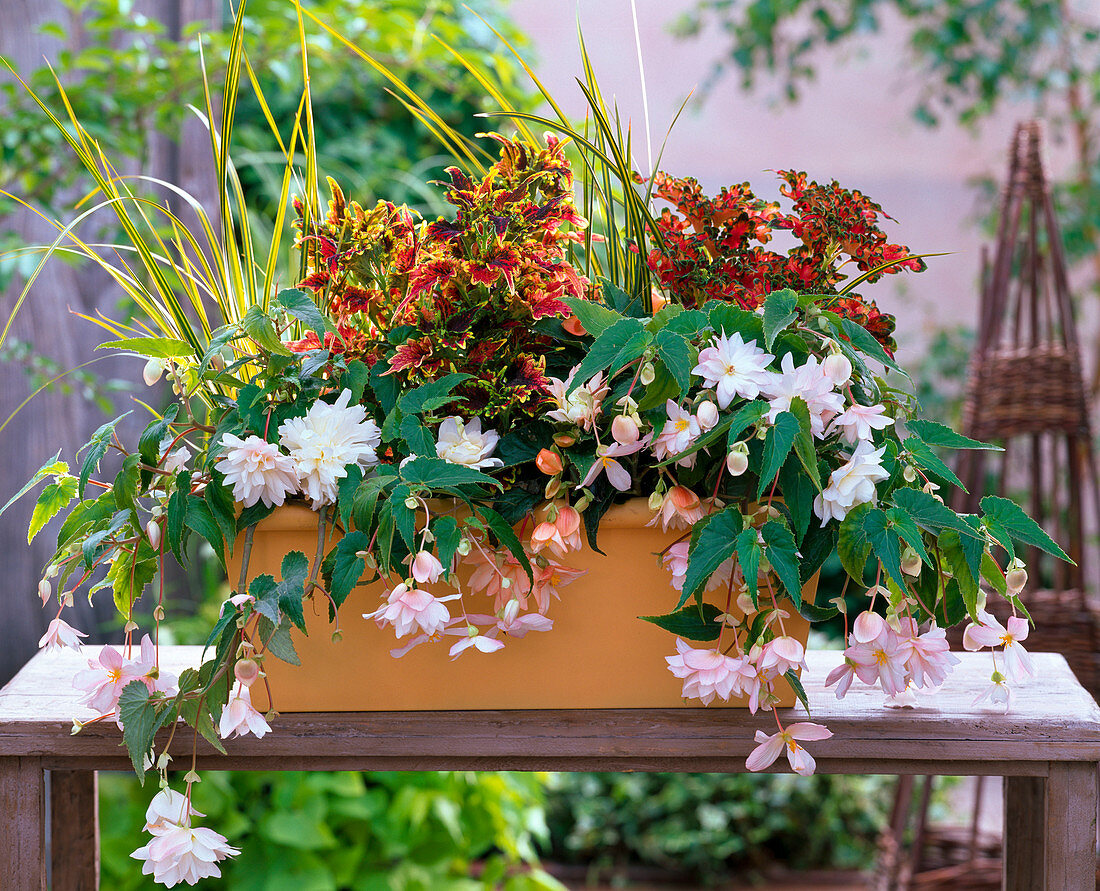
(682, 425)
(114, 675)
(881, 658)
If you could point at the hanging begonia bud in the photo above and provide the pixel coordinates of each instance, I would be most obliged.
(707, 415)
(152, 371)
(624, 430)
(737, 462)
(1016, 580)
(911, 562)
(837, 369)
(246, 671)
(549, 462)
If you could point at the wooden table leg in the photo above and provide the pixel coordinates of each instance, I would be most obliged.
(22, 825)
(74, 830)
(1024, 833)
(1070, 847)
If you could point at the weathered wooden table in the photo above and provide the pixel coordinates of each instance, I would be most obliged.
(1048, 748)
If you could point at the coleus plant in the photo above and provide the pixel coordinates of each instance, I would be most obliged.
(470, 359)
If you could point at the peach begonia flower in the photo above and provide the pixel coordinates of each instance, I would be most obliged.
(256, 470)
(769, 747)
(928, 656)
(568, 524)
(546, 535)
(706, 673)
(680, 509)
(240, 717)
(61, 634)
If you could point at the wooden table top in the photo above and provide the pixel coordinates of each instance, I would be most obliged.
(1053, 719)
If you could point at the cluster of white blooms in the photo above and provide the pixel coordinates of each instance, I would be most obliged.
(319, 447)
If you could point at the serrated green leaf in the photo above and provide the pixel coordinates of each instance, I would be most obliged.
(885, 542)
(279, 642)
(678, 356)
(744, 418)
(796, 685)
(506, 535)
(97, 448)
(346, 488)
(713, 542)
(153, 435)
(51, 501)
(200, 520)
(780, 310)
(297, 303)
(922, 455)
(777, 446)
(749, 553)
(432, 395)
(623, 342)
(355, 378)
(347, 568)
(265, 590)
(728, 318)
(416, 436)
(434, 473)
(941, 435)
(295, 569)
(595, 317)
(782, 554)
(219, 501)
(141, 716)
(447, 538)
(1011, 517)
(864, 341)
(53, 467)
(930, 513)
(258, 326)
(695, 622)
(853, 548)
(907, 529)
(804, 442)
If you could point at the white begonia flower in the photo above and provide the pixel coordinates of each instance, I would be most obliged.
(324, 442)
(807, 382)
(851, 484)
(734, 367)
(463, 442)
(859, 421)
(178, 854)
(256, 470)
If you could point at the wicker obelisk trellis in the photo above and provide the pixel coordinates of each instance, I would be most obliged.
(1025, 391)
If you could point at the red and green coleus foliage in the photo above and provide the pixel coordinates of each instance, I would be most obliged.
(714, 247)
(458, 295)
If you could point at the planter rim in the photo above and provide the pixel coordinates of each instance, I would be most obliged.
(631, 514)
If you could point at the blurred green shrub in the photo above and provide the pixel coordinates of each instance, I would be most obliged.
(713, 825)
(350, 831)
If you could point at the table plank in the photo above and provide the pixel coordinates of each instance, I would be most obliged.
(1053, 719)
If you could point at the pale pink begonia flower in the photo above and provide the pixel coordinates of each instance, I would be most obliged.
(325, 441)
(169, 806)
(781, 654)
(516, 624)
(61, 634)
(858, 422)
(842, 676)
(734, 367)
(108, 674)
(988, 632)
(807, 382)
(928, 656)
(256, 470)
(411, 609)
(880, 661)
(464, 442)
(425, 567)
(480, 642)
(837, 368)
(852, 484)
(680, 509)
(606, 461)
(240, 717)
(582, 406)
(706, 673)
(998, 693)
(679, 432)
(177, 459)
(182, 853)
(769, 747)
